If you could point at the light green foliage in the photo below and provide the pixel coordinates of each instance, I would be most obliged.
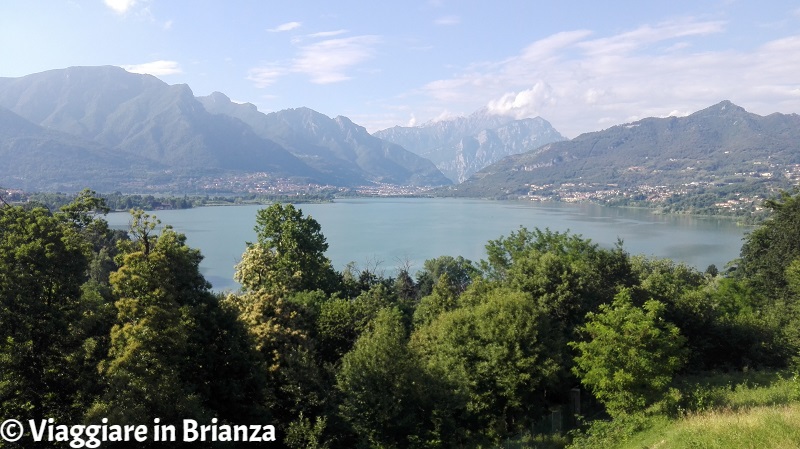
(500, 356)
(663, 279)
(304, 435)
(442, 299)
(150, 350)
(629, 354)
(289, 254)
(176, 352)
(281, 332)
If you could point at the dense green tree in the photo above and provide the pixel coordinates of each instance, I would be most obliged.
(629, 354)
(385, 394)
(42, 267)
(460, 274)
(281, 331)
(147, 364)
(176, 351)
(443, 298)
(342, 321)
(501, 355)
(768, 250)
(566, 274)
(289, 254)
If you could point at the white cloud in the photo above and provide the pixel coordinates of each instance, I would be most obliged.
(582, 82)
(155, 68)
(644, 35)
(328, 61)
(288, 26)
(527, 103)
(326, 34)
(120, 6)
(325, 61)
(448, 20)
(265, 76)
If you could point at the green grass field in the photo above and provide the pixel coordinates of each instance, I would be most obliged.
(726, 411)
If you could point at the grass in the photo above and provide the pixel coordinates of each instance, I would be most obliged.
(725, 411)
(758, 427)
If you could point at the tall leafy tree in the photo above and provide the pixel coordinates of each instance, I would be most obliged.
(175, 352)
(289, 254)
(566, 274)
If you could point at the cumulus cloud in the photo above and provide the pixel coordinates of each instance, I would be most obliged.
(288, 26)
(582, 82)
(155, 68)
(526, 103)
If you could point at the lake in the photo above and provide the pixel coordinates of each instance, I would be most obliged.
(388, 232)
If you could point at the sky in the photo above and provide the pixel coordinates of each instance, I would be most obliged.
(582, 65)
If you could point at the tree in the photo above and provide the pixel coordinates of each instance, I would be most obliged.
(566, 274)
(281, 332)
(385, 394)
(768, 250)
(289, 254)
(460, 273)
(146, 366)
(176, 352)
(629, 354)
(42, 267)
(501, 356)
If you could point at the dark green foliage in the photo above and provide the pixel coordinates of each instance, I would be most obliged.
(768, 250)
(42, 266)
(386, 395)
(500, 356)
(342, 321)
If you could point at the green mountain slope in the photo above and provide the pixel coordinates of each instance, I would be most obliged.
(722, 141)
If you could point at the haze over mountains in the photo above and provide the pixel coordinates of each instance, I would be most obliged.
(140, 130)
(459, 147)
(108, 129)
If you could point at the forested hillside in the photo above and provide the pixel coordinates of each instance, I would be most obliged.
(549, 333)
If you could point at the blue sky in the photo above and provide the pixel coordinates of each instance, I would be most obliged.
(582, 65)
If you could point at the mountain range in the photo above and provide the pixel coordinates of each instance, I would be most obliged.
(722, 143)
(111, 129)
(461, 146)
